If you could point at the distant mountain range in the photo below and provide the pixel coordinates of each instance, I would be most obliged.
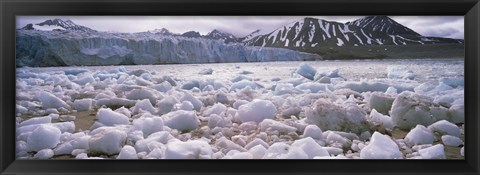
(57, 25)
(372, 30)
(306, 33)
(57, 42)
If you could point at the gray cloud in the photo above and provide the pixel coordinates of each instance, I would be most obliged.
(442, 32)
(441, 26)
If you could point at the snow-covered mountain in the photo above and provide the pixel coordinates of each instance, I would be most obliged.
(251, 35)
(382, 24)
(57, 42)
(162, 31)
(312, 32)
(213, 35)
(57, 24)
(59, 48)
(218, 35)
(309, 32)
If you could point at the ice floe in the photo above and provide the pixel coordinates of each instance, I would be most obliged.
(295, 111)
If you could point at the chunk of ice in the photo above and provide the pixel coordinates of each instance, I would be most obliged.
(197, 104)
(449, 140)
(257, 142)
(313, 131)
(43, 137)
(142, 106)
(110, 118)
(166, 105)
(310, 147)
(381, 102)
(181, 120)
(185, 105)
(141, 94)
(380, 122)
(314, 87)
(243, 84)
(216, 121)
(433, 152)
(148, 125)
(157, 139)
(444, 127)
(163, 87)
(257, 151)
(285, 88)
(85, 104)
(109, 141)
(453, 81)
(193, 149)
(281, 150)
(127, 152)
(337, 117)
(462, 151)
(215, 109)
(115, 102)
(20, 109)
(272, 125)
(307, 71)
(51, 101)
(235, 154)
(256, 111)
(208, 71)
(83, 80)
(36, 120)
(381, 147)
(419, 135)
(410, 109)
(44, 154)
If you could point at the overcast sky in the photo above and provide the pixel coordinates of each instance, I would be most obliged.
(440, 26)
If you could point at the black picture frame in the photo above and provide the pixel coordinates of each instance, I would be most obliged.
(11, 8)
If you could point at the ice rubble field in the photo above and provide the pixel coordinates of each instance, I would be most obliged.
(275, 110)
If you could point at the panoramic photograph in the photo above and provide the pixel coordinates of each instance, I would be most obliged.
(239, 87)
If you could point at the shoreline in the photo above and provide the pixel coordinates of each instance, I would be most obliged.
(84, 120)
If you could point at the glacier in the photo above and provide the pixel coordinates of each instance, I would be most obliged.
(74, 48)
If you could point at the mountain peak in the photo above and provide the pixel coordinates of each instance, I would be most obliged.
(162, 31)
(378, 17)
(381, 18)
(217, 34)
(308, 33)
(58, 24)
(309, 18)
(28, 27)
(383, 24)
(192, 34)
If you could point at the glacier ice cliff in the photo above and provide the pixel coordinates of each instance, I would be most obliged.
(67, 48)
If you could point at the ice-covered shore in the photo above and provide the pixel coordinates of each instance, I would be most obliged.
(306, 112)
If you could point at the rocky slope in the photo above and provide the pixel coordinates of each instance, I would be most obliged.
(372, 30)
